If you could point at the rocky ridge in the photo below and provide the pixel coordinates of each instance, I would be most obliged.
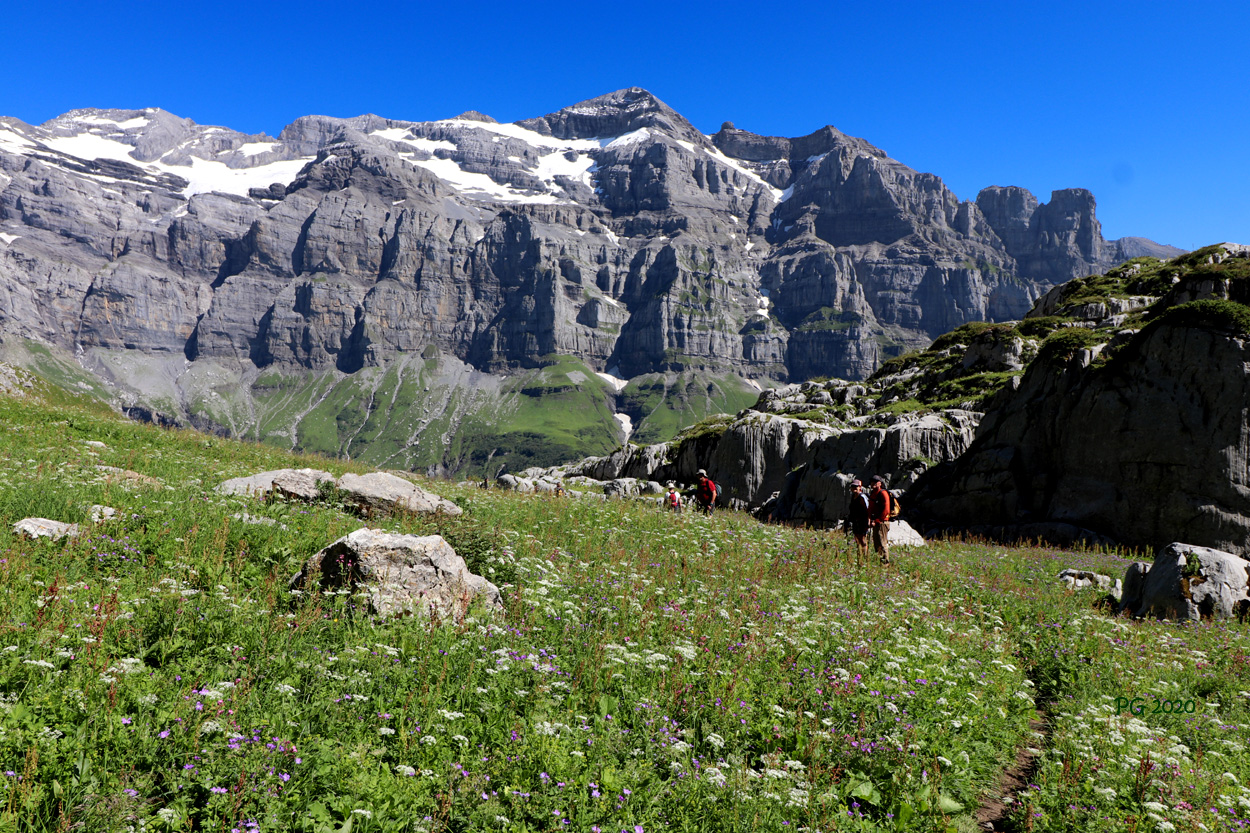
(1111, 413)
(392, 289)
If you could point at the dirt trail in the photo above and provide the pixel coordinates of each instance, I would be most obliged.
(991, 816)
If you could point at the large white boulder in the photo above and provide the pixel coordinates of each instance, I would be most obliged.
(382, 493)
(399, 574)
(291, 483)
(1188, 582)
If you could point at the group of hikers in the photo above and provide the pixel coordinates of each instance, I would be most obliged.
(705, 494)
(869, 512)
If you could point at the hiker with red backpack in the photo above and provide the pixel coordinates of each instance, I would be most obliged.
(673, 500)
(880, 509)
(705, 493)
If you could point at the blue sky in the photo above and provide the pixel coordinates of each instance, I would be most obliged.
(1145, 104)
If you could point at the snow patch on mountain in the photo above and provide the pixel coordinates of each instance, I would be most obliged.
(558, 164)
(403, 134)
(256, 148)
(203, 175)
(91, 146)
(618, 384)
(530, 137)
(640, 135)
(477, 185)
(14, 142)
(627, 424)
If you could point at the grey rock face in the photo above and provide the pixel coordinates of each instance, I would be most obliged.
(399, 575)
(1190, 583)
(788, 468)
(1134, 584)
(1142, 450)
(1059, 240)
(611, 230)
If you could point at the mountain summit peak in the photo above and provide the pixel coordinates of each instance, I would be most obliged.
(615, 114)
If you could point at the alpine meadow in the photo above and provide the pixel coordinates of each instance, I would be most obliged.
(650, 670)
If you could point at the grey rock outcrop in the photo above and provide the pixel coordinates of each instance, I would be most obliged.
(399, 575)
(789, 458)
(100, 514)
(1142, 449)
(1190, 583)
(13, 383)
(902, 534)
(375, 493)
(1133, 585)
(300, 484)
(45, 528)
(382, 493)
(1080, 579)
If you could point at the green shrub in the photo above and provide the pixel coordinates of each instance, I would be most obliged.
(1061, 345)
(1210, 314)
(965, 333)
(1041, 327)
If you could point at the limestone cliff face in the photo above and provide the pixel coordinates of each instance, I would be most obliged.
(612, 231)
(1146, 447)
(1146, 450)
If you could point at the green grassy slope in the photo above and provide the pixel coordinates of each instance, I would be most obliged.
(651, 671)
(663, 404)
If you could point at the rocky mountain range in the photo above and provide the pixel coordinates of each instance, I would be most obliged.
(437, 295)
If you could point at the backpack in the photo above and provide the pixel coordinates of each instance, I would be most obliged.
(895, 509)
